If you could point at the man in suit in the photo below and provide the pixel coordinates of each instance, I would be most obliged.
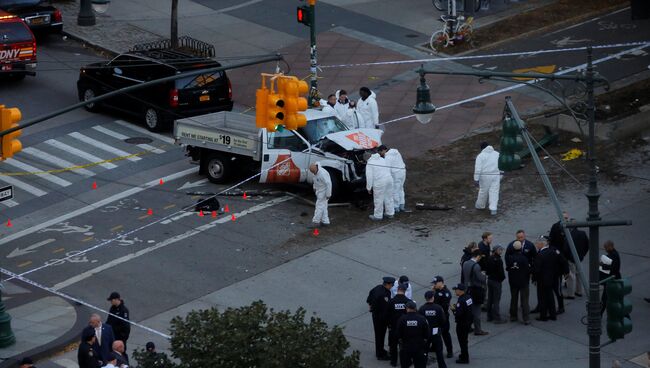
(546, 271)
(103, 344)
(120, 354)
(581, 241)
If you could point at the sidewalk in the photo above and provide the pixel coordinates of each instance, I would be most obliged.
(334, 280)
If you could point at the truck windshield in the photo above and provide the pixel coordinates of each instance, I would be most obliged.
(317, 129)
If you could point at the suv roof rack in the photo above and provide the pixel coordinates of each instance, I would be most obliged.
(187, 46)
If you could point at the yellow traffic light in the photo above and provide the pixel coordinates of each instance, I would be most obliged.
(291, 88)
(276, 113)
(9, 118)
(261, 107)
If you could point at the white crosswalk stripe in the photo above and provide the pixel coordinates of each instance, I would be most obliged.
(145, 132)
(79, 153)
(121, 136)
(10, 203)
(103, 146)
(22, 185)
(35, 152)
(38, 172)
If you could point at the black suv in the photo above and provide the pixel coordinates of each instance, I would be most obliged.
(160, 104)
(39, 15)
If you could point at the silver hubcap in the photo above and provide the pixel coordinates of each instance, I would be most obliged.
(88, 94)
(151, 118)
(215, 169)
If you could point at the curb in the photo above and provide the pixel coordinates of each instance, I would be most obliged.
(50, 349)
(92, 45)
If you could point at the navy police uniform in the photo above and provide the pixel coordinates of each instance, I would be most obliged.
(378, 300)
(436, 318)
(413, 333)
(464, 317)
(396, 309)
(442, 297)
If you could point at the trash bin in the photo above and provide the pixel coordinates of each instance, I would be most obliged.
(640, 9)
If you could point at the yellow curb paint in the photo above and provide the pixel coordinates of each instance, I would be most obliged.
(58, 250)
(169, 206)
(87, 239)
(25, 264)
(116, 228)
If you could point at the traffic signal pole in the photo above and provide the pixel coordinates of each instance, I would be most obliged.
(313, 62)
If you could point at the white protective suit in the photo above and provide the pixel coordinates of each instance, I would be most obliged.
(329, 109)
(341, 108)
(353, 119)
(379, 179)
(369, 111)
(323, 190)
(408, 292)
(486, 172)
(398, 171)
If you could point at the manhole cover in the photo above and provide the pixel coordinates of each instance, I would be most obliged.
(472, 104)
(138, 140)
(411, 35)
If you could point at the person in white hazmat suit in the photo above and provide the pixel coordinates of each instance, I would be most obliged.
(367, 107)
(379, 182)
(323, 190)
(488, 177)
(398, 170)
(342, 103)
(328, 106)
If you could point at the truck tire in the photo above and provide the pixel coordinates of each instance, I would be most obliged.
(217, 167)
(337, 182)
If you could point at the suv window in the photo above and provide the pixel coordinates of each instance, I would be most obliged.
(14, 32)
(130, 66)
(12, 3)
(198, 81)
(285, 139)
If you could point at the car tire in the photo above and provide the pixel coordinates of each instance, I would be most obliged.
(337, 183)
(153, 119)
(87, 94)
(217, 168)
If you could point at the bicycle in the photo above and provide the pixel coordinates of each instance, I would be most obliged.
(452, 31)
(442, 5)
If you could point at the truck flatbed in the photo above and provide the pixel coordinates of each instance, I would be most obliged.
(224, 131)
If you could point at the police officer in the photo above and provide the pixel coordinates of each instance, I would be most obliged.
(436, 318)
(413, 333)
(464, 316)
(442, 297)
(377, 300)
(121, 327)
(396, 309)
(86, 356)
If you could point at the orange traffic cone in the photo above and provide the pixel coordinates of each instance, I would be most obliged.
(226, 209)
(94, 185)
(150, 212)
(161, 182)
(9, 223)
(233, 218)
(316, 232)
(245, 196)
(201, 213)
(214, 214)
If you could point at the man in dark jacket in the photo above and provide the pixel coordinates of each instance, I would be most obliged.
(474, 277)
(519, 280)
(546, 271)
(527, 247)
(443, 299)
(413, 332)
(581, 241)
(561, 271)
(104, 343)
(121, 327)
(495, 275)
(87, 357)
(464, 316)
(556, 236)
(485, 246)
(377, 300)
(396, 309)
(610, 265)
(436, 318)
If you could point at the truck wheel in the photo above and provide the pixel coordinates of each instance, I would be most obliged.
(86, 95)
(217, 168)
(337, 182)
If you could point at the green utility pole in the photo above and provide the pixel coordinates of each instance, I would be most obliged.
(7, 337)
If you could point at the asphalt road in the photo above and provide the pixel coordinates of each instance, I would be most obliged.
(615, 28)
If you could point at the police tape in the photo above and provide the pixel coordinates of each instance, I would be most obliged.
(640, 46)
(76, 300)
(474, 57)
(108, 241)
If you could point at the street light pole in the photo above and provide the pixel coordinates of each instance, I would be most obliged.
(423, 112)
(86, 15)
(7, 337)
(313, 63)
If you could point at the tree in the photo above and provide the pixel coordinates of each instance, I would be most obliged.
(255, 336)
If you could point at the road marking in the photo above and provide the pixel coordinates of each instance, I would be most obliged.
(169, 206)
(58, 250)
(22, 185)
(38, 172)
(189, 185)
(77, 152)
(122, 137)
(588, 21)
(31, 249)
(9, 203)
(145, 131)
(25, 264)
(87, 239)
(177, 217)
(114, 229)
(103, 146)
(238, 6)
(143, 217)
(544, 69)
(56, 161)
(84, 275)
(94, 206)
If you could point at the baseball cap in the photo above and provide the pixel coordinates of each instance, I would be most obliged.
(114, 295)
(459, 287)
(437, 279)
(389, 280)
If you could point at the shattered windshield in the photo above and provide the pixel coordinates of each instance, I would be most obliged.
(317, 129)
